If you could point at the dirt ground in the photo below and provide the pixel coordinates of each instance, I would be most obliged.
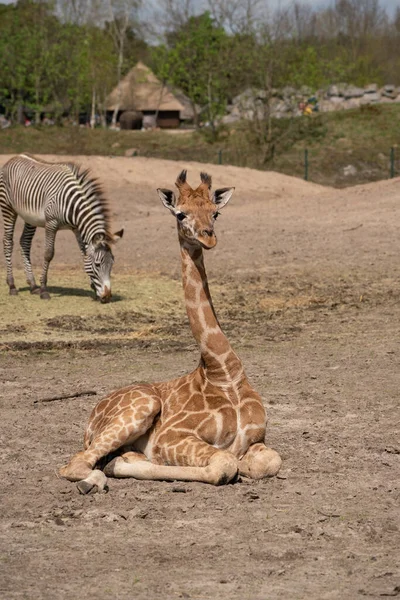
(306, 283)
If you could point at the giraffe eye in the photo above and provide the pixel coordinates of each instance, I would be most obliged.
(215, 215)
(180, 216)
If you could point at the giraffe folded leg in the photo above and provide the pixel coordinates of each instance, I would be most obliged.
(80, 469)
(222, 468)
(110, 429)
(260, 461)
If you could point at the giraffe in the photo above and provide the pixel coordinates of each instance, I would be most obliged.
(208, 425)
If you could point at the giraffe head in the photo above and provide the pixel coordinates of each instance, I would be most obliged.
(196, 209)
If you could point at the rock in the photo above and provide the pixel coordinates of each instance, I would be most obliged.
(115, 145)
(131, 152)
(371, 88)
(336, 99)
(352, 91)
(370, 98)
(333, 90)
(349, 170)
(232, 118)
(352, 103)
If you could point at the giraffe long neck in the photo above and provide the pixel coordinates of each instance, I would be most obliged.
(221, 363)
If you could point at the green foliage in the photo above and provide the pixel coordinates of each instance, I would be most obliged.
(194, 62)
(48, 65)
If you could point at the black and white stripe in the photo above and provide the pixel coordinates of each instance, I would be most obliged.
(56, 196)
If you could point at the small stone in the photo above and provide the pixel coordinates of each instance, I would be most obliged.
(179, 489)
(131, 152)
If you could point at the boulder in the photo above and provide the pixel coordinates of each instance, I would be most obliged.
(332, 91)
(352, 103)
(131, 152)
(228, 119)
(349, 170)
(370, 98)
(371, 88)
(351, 91)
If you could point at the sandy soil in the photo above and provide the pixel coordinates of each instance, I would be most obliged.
(316, 320)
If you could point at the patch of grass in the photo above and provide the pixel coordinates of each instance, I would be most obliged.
(141, 307)
(148, 309)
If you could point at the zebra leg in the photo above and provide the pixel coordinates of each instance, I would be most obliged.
(26, 243)
(82, 248)
(9, 219)
(50, 236)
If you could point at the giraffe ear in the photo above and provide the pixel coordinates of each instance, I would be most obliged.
(222, 196)
(168, 199)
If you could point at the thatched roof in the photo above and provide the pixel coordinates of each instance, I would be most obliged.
(141, 90)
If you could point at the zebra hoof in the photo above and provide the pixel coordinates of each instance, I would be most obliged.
(13, 291)
(44, 295)
(35, 290)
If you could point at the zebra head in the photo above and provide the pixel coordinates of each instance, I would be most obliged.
(98, 263)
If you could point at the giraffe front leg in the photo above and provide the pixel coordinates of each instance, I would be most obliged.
(259, 461)
(187, 458)
(80, 469)
(50, 236)
(26, 243)
(117, 421)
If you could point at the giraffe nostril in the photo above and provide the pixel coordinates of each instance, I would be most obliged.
(208, 232)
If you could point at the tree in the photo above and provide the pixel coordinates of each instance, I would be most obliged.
(193, 61)
(122, 16)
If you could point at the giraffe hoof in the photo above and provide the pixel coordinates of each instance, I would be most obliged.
(86, 488)
(35, 290)
(13, 291)
(44, 295)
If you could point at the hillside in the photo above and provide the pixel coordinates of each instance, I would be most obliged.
(356, 142)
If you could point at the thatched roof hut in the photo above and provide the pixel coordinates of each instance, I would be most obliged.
(140, 90)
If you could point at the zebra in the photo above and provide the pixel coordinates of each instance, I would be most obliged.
(56, 196)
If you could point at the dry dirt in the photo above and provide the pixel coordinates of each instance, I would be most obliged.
(307, 286)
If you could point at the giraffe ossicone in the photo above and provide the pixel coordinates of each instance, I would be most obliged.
(208, 425)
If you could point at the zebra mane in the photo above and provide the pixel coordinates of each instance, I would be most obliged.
(90, 187)
(94, 193)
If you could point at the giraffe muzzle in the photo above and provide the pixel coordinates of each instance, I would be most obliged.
(207, 239)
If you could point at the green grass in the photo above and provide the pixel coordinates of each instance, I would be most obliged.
(143, 307)
(148, 309)
(362, 138)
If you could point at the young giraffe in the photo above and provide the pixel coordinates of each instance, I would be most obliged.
(206, 426)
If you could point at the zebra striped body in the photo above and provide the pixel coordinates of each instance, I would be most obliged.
(56, 196)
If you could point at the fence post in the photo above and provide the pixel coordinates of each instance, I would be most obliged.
(220, 157)
(306, 164)
(392, 162)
